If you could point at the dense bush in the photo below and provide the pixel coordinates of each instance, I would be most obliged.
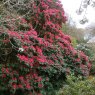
(86, 49)
(78, 86)
(89, 50)
(35, 55)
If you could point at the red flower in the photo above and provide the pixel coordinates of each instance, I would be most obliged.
(14, 86)
(39, 79)
(40, 85)
(21, 78)
(41, 59)
(39, 50)
(28, 86)
(20, 86)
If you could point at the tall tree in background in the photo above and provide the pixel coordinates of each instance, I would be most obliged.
(78, 34)
(83, 9)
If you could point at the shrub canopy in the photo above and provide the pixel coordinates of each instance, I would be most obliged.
(35, 55)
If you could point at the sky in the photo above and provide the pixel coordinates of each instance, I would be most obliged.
(71, 6)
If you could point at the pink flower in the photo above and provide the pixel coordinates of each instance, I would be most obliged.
(40, 85)
(23, 58)
(14, 86)
(34, 33)
(39, 50)
(89, 65)
(21, 78)
(41, 59)
(20, 86)
(14, 34)
(39, 79)
(28, 86)
(35, 76)
(31, 60)
(7, 71)
(40, 40)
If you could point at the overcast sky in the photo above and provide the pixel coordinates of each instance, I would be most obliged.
(71, 6)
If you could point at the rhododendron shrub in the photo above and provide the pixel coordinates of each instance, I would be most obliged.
(35, 55)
